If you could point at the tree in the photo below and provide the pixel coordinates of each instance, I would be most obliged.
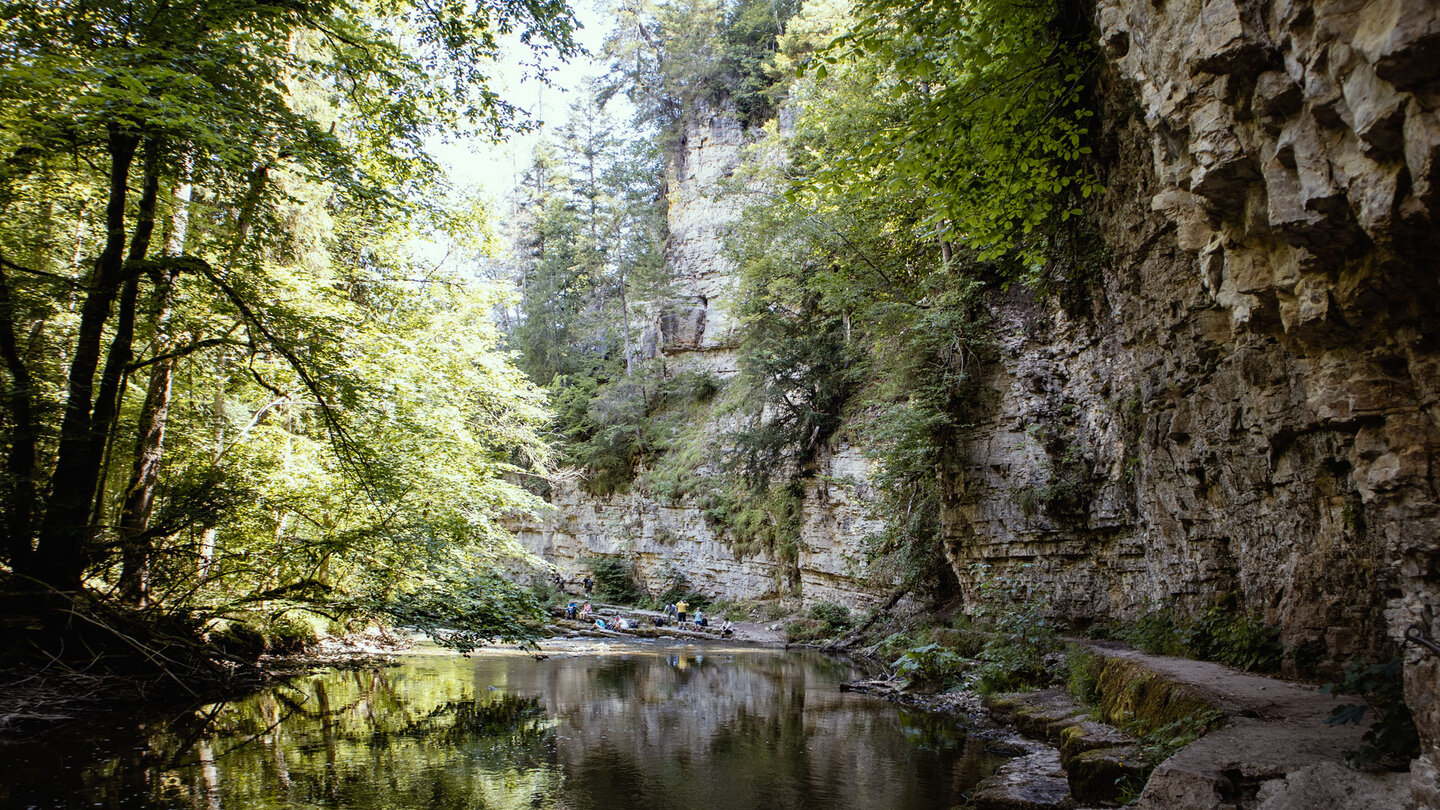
(238, 168)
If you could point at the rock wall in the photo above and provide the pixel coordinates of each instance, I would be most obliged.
(691, 329)
(1246, 404)
(666, 538)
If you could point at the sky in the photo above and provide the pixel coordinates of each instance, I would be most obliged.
(495, 169)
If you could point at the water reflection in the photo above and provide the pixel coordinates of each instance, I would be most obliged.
(636, 726)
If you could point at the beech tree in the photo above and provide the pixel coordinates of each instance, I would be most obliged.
(218, 190)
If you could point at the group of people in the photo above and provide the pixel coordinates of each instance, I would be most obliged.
(677, 612)
(587, 582)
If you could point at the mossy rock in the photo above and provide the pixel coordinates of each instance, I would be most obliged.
(1103, 774)
(238, 640)
(1142, 701)
(1090, 736)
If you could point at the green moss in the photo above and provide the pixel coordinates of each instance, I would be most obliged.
(1140, 701)
(1102, 776)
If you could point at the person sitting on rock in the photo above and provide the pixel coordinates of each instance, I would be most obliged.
(727, 629)
(586, 610)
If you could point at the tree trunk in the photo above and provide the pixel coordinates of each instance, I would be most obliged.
(60, 552)
(135, 543)
(19, 497)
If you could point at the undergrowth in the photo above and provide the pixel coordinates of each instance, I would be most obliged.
(1228, 636)
(1392, 739)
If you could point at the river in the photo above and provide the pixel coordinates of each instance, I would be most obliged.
(594, 725)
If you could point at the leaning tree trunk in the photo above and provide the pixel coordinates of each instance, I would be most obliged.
(61, 549)
(136, 542)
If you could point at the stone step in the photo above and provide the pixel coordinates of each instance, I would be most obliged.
(1033, 781)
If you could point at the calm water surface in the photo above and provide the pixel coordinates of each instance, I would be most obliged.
(620, 725)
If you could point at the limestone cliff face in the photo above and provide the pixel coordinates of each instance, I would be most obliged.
(1249, 407)
(692, 330)
(1243, 404)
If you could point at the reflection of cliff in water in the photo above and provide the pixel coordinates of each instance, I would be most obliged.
(639, 727)
(695, 728)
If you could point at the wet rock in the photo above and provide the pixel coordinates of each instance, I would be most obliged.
(1105, 774)
(1090, 736)
(1040, 715)
(1031, 782)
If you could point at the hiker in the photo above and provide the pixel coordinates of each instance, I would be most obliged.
(727, 629)
(559, 582)
(570, 610)
(681, 608)
(700, 618)
(588, 583)
(585, 610)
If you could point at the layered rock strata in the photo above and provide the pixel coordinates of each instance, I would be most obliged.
(1244, 409)
(692, 329)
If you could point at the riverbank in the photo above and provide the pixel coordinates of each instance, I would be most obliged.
(1243, 740)
(644, 621)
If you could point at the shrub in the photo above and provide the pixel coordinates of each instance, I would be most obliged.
(930, 666)
(1160, 744)
(801, 631)
(1082, 679)
(288, 634)
(1392, 740)
(615, 578)
(1239, 639)
(837, 617)
(1156, 633)
(1020, 635)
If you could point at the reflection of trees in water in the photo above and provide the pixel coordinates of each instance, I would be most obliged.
(689, 729)
(359, 739)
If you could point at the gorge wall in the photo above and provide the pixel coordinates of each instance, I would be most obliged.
(692, 329)
(1245, 406)
(1243, 403)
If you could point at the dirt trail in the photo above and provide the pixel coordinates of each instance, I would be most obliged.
(1274, 753)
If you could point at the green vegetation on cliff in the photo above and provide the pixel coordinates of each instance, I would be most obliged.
(930, 154)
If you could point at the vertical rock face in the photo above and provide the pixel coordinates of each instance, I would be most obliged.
(692, 330)
(1250, 407)
(693, 327)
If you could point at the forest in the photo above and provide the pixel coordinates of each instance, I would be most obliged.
(233, 389)
(236, 395)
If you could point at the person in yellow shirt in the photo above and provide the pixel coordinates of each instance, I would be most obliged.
(681, 608)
